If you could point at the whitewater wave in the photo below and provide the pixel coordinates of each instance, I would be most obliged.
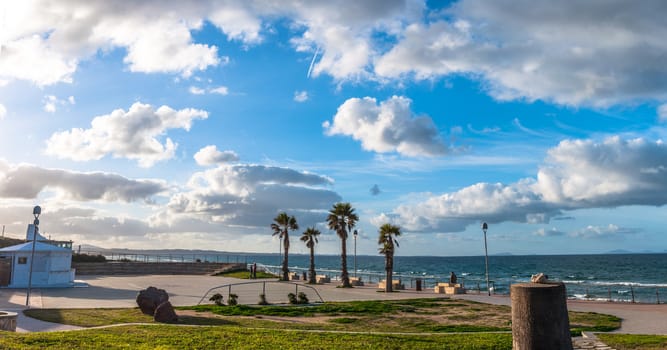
(617, 284)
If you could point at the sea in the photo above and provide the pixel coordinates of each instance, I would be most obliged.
(602, 277)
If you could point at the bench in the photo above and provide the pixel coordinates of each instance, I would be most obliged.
(356, 281)
(449, 288)
(396, 285)
(322, 279)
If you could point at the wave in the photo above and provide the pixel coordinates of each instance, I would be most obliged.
(617, 284)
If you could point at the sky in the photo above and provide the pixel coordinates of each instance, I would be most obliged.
(192, 124)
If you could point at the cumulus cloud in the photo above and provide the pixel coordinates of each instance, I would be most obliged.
(551, 232)
(210, 155)
(28, 181)
(131, 134)
(220, 90)
(247, 195)
(44, 42)
(51, 103)
(570, 54)
(31, 58)
(300, 96)
(662, 112)
(576, 174)
(387, 127)
(3, 111)
(610, 230)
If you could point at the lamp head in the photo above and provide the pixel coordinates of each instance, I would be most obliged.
(36, 211)
(485, 227)
(355, 233)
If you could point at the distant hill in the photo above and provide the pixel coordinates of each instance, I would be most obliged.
(7, 242)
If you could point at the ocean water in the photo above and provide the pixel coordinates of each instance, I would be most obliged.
(615, 277)
(604, 277)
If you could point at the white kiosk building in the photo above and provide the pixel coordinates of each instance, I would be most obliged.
(52, 265)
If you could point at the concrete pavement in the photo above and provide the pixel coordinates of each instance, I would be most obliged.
(121, 291)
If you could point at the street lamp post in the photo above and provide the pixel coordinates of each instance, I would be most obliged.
(355, 233)
(36, 211)
(486, 258)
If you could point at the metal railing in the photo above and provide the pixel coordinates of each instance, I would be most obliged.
(275, 292)
(147, 257)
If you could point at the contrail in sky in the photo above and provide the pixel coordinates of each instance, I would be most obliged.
(312, 63)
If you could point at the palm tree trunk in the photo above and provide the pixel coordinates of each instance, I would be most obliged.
(286, 248)
(389, 266)
(343, 275)
(312, 265)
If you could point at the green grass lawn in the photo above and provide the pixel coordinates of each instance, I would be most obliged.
(634, 341)
(438, 315)
(183, 337)
(245, 274)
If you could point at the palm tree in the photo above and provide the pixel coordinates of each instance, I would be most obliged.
(342, 219)
(310, 237)
(387, 240)
(281, 226)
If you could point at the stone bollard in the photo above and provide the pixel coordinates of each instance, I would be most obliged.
(8, 321)
(539, 317)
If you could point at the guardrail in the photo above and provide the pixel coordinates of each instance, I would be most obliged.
(582, 290)
(147, 257)
(275, 292)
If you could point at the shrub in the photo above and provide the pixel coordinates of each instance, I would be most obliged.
(88, 258)
(303, 299)
(217, 299)
(262, 299)
(232, 300)
(292, 298)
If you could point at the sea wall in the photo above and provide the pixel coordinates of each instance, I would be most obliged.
(154, 268)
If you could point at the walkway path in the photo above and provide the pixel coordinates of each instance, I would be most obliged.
(121, 291)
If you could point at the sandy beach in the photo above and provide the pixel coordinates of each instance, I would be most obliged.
(121, 291)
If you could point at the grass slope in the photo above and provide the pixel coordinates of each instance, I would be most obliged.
(180, 337)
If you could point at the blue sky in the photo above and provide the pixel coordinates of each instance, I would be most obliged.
(153, 124)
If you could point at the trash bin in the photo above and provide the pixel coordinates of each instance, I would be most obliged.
(418, 284)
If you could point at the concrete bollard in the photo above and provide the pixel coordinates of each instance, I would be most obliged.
(8, 321)
(539, 317)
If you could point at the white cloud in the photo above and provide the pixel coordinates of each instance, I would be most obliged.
(131, 134)
(31, 58)
(28, 181)
(196, 91)
(157, 35)
(3, 111)
(549, 232)
(576, 174)
(247, 195)
(43, 42)
(662, 112)
(210, 155)
(610, 230)
(548, 52)
(220, 90)
(51, 103)
(300, 96)
(388, 127)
